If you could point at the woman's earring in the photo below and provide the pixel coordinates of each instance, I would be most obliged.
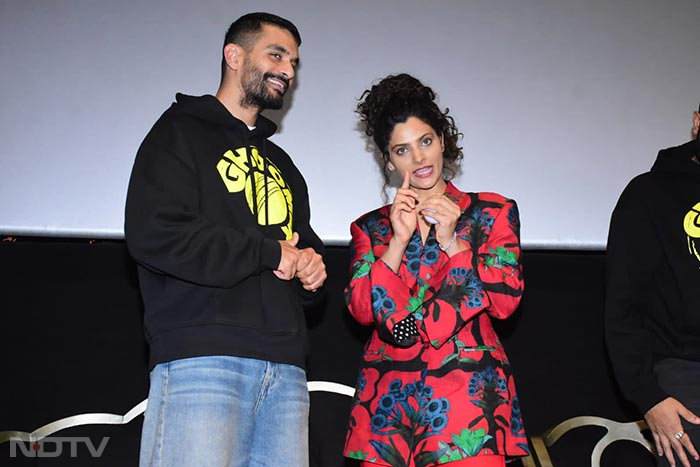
(390, 167)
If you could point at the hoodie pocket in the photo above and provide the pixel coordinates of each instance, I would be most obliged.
(263, 303)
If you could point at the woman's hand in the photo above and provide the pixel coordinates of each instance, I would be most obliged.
(403, 212)
(404, 219)
(446, 212)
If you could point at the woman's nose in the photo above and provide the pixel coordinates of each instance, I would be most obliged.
(419, 155)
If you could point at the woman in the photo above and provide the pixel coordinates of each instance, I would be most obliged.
(428, 272)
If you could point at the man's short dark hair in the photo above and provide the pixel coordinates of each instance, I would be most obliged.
(245, 30)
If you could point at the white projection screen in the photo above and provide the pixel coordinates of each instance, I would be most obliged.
(561, 102)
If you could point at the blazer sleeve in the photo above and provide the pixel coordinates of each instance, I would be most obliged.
(375, 293)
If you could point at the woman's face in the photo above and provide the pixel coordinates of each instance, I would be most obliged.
(414, 146)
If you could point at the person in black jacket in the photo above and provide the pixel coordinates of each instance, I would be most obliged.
(218, 221)
(653, 299)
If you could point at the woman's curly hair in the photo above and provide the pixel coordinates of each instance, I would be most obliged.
(396, 98)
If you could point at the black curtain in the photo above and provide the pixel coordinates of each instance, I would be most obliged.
(73, 344)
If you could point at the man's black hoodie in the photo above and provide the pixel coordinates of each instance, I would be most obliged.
(208, 201)
(653, 274)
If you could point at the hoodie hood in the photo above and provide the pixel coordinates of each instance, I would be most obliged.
(678, 160)
(211, 110)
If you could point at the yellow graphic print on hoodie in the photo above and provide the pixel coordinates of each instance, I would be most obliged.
(691, 224)
(268, 196)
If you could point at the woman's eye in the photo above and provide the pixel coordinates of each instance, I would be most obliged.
(401, 151)
(427, 141)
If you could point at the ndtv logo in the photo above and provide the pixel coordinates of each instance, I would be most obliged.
(53, 447)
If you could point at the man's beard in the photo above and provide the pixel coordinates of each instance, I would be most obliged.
(256, 92)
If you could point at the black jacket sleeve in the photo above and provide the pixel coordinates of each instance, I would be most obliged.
(307, 239)
(633, 253)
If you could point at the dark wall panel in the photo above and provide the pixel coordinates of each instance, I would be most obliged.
(73, 344)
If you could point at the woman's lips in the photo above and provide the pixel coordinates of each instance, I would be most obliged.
(423, 172)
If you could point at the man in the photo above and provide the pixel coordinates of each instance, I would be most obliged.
(217, 218)
(653, 299)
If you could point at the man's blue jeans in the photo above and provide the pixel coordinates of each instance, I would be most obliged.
(226, 411)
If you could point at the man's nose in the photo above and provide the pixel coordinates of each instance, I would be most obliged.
(288, 70)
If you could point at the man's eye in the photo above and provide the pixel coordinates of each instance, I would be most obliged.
(276, 56)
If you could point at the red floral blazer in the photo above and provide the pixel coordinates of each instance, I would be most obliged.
(447, 393)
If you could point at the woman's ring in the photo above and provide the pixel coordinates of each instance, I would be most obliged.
(679, 435)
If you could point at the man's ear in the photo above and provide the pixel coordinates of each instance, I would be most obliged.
(233, 54)
(696, 124)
